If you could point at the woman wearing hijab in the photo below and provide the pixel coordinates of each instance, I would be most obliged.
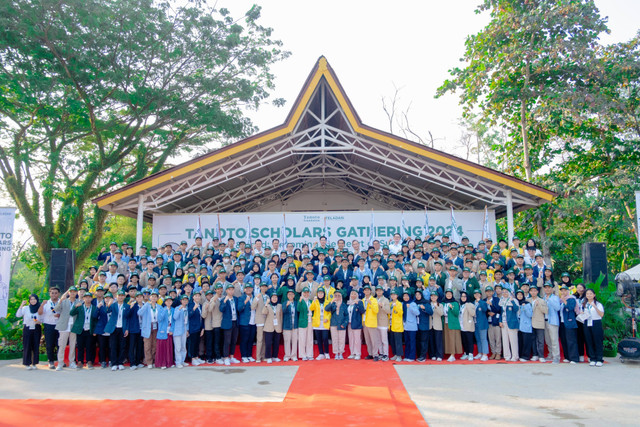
(321, 322)
(452, 339)
(396, 325)
(31, 332)
(164, 341)
(467, 325)
(509, 324)
(290, 326)
(272, 328)
(422, 339)
(355, 311)
(410, 315)
(339, 322)
(526, 330)
(436, 350)
(482, 326)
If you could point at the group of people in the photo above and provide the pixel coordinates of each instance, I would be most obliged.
(411, 300)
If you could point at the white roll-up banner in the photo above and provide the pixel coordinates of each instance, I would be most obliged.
(7, 216)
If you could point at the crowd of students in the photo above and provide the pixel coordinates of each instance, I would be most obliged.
(411, 300)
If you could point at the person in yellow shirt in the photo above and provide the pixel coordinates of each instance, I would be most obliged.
(396, 325)
(370, 320)
(321, 321)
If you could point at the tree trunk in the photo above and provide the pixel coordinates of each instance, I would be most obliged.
(542, 232)
(525, 140)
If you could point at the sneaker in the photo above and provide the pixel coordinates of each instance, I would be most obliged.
(133, 367)
(356, 358)
(451, 358)
(572, 363)
(464, 357)
(484, 358)
(28, 367)
(421, 359)
(163, 367)
(52, 366)
(80, 365)
(542, 360)
(276, 360)
(433, 358)
(581, 359)
(219, 362)
(185, 364)
(439, 359)
(121, 367)
(59, 367)
(555, 361)
(73, 365)
(269, 360)
(534, 359)
(592, 363)
(151, 366)
(320, 357)
(407, 360)
(234, 360)
(327, 356)
(598, 364)
(524, 360)
(286, 359)
(294, 359)
(210, 361)
(179, 366)
(251, 359)
(245, 360)
(385, 358)
(376, 358)
(114, 368)
(140, 365)
(478, 356)
(103, 365)
(565, 360)
(351, 356)
(227, 362)
(368, 357)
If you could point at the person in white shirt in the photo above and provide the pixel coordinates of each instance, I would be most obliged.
(31, 331)
(593, 332)
(49, 318)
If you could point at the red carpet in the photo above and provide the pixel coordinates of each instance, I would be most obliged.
(322, 393)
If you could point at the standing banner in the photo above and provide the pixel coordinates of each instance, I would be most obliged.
(456, 232)
(307, 227)
(638, 217)
(7, 215)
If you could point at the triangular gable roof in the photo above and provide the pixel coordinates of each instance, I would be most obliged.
(125, 199)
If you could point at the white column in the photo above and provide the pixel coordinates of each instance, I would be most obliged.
(509, 216)
(140, 223)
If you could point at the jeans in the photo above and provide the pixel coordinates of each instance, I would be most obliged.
(482, 340)
(410, 345)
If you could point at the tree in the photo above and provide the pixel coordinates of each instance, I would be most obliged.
(96, 94)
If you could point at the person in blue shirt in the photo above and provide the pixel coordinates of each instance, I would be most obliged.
(196, 330)
(482, 326)
(526, 330)
(552, 320)
(410, 314)
(423, 335)
(246, 330)
(355, 311)
(229, 309)
(180, 329)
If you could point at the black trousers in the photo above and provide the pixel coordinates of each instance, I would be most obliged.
(86, 349)
(51, 342)
(538, 342)
(247, 336)
(322, 337)
(569, 341)
(594, 336)
(527, 345)
(422, 344)
(436, 346)
(272, 344)
(193, 344)
(467, 342)
(136, 349)
(31, 345)
(230, 339)
(117, 343)
(103, 347)
(580, 339)
(396, 344)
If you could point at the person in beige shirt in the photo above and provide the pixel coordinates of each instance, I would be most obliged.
(384, 309)
(435, 329)
(258, 305)
(272, 328)
(540, 310)
(212, 321)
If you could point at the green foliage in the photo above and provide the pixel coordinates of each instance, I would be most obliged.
(615, 315)
(23, 283)
(95, 94)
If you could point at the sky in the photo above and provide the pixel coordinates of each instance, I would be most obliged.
(375, 47)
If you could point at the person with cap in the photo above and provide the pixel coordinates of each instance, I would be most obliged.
(290, 326)
(136, 344)
(525, 339)
(257, 305)
(101, 337)
(452, 336)
(436, 349)
(180, 330)
(196, 330)
(396, 325)
(63, 326)
(148, 315)
(246, 323)
(47, 314)
(494, 332)
(305, 326)
(410, 316)
(85, 315)
(164, 341)
(509, 325)
(321, 321)
(552, 322)
(31, 331)
(482, 325)
(568, 325)
(216, 338)
(467, 325)
(422, 337)
(384, 311)
(540, 311)
(344, 272)
(370, 320)
(272, 328)
(229, 324)
(361, 270)
(338, 324)
(118, 330)
(355, 313)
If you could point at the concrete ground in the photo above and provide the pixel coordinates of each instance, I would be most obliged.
(530, 394)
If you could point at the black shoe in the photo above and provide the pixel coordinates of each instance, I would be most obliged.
(369, 357)
(385, 358)
(376, 358)
(421, 359)
(209, 360)
(103, 365)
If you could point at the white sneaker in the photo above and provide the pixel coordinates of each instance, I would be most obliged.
(356, 358)
(581, 359)
(185, 364)
(572, 363)
(234, 360)
(269, 360)
(286, 359)
(245, 360)
(121, 367)
(523, 360)
(163, 367)
(150, 366)
(433, 358)
(73, 365)
(133, 368)
(451, 358)
(439, 359)
(534, 359)
(114, 368)
(598, 364)
(464, 357)
(251, 359)
(542, 360)
(179, 366)
(407, 360)
(320, 357)
(294, 359)
(59, 367)
(227, 362)
(28, 367)
(484, 358)
(478, 356)
(326, 356)
(140, 366)
(219, 362)
(565, 360)
(592, 363)
(277, 360)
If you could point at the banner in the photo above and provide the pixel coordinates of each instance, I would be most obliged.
(7, 215)
(307, 227)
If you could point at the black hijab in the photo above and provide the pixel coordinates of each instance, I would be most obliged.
(447, 299)
(34, 307)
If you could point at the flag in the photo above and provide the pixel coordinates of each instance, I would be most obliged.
(218, 235)
(198, 232)
(372, 231)
(426, 223)
(284, 231)
(486, 232)
(403, 233)
(455, 237)
(249, 231)
(324, 230)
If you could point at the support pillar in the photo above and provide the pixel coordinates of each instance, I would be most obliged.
(509, 217)
(140, 223)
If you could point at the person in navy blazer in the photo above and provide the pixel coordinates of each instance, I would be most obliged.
(136, 345)
(230, 312)
(568, 326)
(482, 326)
(102, 340)
(338, 324)
(179, 330)
(343, 272)
(196, 329)
(118, 328)
(246, 332)
(355, 311)
(426, 311)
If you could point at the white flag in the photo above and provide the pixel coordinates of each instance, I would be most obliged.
(324, 230)
(426, 223)
(283, 232)
(455, 236)
(403, 233)
(198, 232)
(486, 232)
(249, 231)
(218, 235)
(372, 231)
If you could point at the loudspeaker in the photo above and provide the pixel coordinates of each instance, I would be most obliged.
(629, 348)
(62, 267)
(594, 262)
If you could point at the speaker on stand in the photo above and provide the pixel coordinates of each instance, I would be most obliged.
(62, 268)
(594, 262)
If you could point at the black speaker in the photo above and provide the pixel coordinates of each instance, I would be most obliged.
(594, 262)
(62, 267)
(629, 348)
